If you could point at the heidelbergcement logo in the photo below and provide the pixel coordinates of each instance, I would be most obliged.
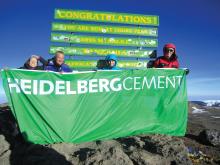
(60, 87)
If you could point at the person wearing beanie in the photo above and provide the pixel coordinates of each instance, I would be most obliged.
(112, 62)
(169, 58)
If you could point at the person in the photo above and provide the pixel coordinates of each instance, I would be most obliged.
(57, 64)
(169, 58)
(32, 63)
(111, 62)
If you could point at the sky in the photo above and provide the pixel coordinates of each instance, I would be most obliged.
(192, 25)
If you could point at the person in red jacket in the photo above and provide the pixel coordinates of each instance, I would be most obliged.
(169, 58)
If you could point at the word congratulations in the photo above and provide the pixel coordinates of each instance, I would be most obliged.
(106, 17)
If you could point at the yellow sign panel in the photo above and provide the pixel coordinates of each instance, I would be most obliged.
(92, 64)
(105, 29)
(99, 40)
(124, 18)
(81, 51)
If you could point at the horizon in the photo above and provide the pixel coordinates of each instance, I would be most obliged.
(194, 31)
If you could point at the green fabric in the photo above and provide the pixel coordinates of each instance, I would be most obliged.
(79, 107)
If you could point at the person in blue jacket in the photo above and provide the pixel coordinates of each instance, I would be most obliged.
(112, 62)
(57, 64)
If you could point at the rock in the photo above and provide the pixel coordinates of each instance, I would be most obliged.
(170, 148)
(8, 126)
(211, 137)
(155, 149)
(4, 151)
(4, 145)
(144, 157)
(24, 153)
(5, 158)
(107, 152)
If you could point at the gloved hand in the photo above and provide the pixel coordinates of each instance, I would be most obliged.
(36, 56)
(187, 71)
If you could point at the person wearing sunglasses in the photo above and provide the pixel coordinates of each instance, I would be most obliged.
(169, 58)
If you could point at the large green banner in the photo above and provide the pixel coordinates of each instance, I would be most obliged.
(82, 51)
(79, 107)
(100, 40)
(105, 29)
(91, 64)
(125, 18)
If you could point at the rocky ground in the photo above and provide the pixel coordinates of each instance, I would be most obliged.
(201, 145)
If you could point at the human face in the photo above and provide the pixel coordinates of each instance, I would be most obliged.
(33, 62)
(59, 58)
(111, 63)
(169, 52)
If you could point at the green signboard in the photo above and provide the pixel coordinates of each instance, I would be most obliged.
(100, 40)
(80, 107)
(91, 64)
(81, 51)
(105, 29)
(124, 18)
(81, 63)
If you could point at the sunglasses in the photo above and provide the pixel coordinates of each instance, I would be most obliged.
(169, 50)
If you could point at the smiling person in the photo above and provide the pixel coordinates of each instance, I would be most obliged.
(32, 63)
(169, 58)
(57, 64)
